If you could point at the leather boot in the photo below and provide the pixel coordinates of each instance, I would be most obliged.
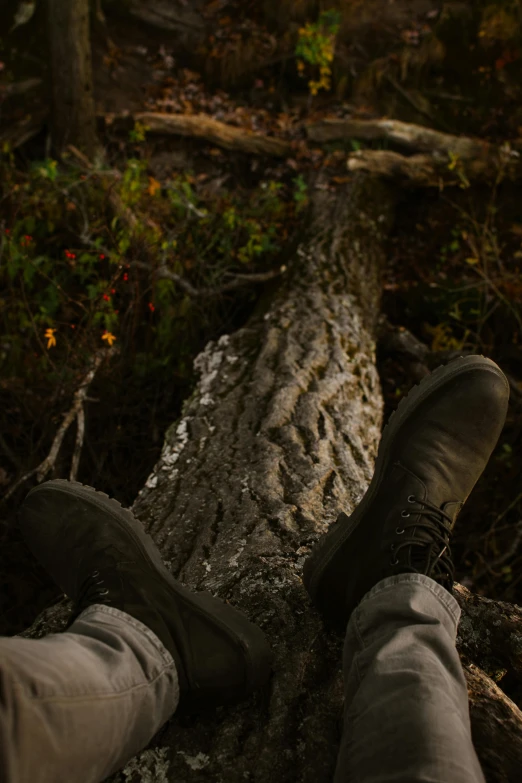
(97, 552)
(432, 452)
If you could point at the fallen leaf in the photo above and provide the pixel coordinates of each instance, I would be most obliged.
(154, 186)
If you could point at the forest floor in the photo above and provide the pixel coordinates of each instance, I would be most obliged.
(453, 270)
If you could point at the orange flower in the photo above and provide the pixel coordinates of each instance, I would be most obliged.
(49, 335)
(109, 337)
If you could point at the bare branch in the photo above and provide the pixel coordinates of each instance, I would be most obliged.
(239, 280)
(80, 432)
(80, 395)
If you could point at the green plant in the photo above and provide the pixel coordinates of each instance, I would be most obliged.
(138, 134)
(451, 247)
(133, 181)
(66, 261)
(455, 164)
(315, 46)
(300, 192)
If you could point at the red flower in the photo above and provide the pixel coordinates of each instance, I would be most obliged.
(125, 276)
(8, 231)
(107, 297)
(151, 307)
(113, 290)
(102, 256)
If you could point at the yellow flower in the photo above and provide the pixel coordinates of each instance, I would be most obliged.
(49, 335)
(454, 160)
(109, 337)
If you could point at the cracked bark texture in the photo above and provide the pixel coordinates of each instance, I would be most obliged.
(279, 435)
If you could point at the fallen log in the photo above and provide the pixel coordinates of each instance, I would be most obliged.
(201, 126)
(413, 137)
(438, 159)
(436, 170)
(448, 160)
(490, 632)
(495, 727)
(279, 434)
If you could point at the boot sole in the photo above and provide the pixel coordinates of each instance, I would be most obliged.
(257, 653)
(322, 557)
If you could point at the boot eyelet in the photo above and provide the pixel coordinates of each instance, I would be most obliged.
(399, 532)
(411, 498)
(394, 562)
(392, 547)
(405, 513)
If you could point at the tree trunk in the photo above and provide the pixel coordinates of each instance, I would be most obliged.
(73, 119)
(280, 434)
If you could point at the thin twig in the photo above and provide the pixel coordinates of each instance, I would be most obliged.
(55, 284)
(239, 281)
(510, 552)
(503, 514)
(9, 452)
(80, 432)
(80, 395)
(406, 95)
(448, 96)
(500, 296)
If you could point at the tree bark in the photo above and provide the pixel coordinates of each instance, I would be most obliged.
(73, 119)
(280, 434)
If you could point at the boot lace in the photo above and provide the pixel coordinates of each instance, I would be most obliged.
(439, 564)
(92, 591)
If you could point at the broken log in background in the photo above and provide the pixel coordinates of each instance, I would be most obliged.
(416, 138)
(280, 434)
(446, 160)
(201, 126)
(443, 161)
(434, 171)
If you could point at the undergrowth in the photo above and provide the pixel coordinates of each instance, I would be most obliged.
(93, 257)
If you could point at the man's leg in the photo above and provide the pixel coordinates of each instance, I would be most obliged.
(384, 576)
(76, 706)
(406, 702)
